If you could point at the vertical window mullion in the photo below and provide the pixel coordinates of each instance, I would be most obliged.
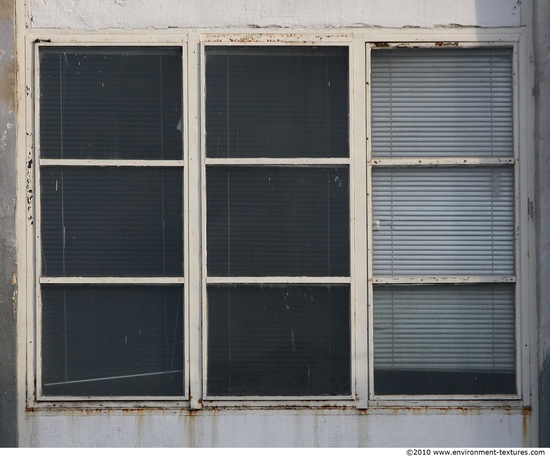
(360, 182)
(194, 88)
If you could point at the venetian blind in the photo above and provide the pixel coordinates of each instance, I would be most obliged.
(442, 103)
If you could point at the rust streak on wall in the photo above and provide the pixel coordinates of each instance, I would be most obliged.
(7, 83)
(526, 419)
(7, 9)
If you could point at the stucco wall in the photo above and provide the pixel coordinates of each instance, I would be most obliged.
(282, 429)
(136, 14)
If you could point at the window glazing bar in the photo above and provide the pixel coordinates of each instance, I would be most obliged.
(279, 280)
(442, 279)
(110, 163)
(444, 162)
(111, 280)
(276, 161)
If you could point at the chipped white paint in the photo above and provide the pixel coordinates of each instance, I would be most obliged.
(161, 14)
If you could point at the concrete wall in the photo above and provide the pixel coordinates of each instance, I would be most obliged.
(418, 428)
(8, 342)
(143, 14)
(542, 92)
(281, 429)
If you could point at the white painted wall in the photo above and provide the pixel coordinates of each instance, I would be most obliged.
(160, 14)
(280, 429)
(420, 428)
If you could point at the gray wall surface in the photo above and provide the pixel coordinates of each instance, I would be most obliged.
(541, 28)
(8, 309)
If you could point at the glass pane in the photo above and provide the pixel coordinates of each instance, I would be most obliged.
(279, 340)
(443, 221)
(111, 103)
(444, 339)
(442, 103)
(278, 221)
(112, 221)
(112, 340)
(277, 101)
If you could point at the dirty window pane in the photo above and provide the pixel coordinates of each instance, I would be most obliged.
(103, 221)
(278, 221)
(445, 221)
(442, 103)
(444, 339)
(277, 101)
(112, 340)
(279, 340)
(111, 103)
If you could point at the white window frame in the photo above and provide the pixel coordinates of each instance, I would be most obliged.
(360, 42)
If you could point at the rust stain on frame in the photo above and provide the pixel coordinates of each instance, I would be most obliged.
(447, 43)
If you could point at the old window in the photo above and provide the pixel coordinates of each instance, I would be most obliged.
(309, 221)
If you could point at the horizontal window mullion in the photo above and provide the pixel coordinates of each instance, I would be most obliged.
(303, 161)
(260, 401)
(112, 280)
(474, 279)
(443, 162)
(109, 163)
(278, 280)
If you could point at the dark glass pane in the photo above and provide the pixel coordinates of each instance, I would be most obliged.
(111, 103)
(280, 340)
(112, 221)
(402, 382)
(277, 102)
(112, 340)
(444, 339)
(278, 221)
